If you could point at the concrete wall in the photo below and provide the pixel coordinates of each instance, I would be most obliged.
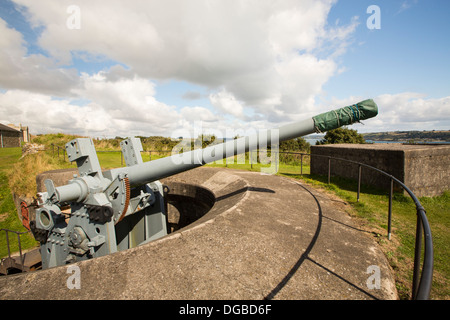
(423, 168)
(428, 171)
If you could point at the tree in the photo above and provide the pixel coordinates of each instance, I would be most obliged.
(296, 144)
(203, 141)
(342, 135)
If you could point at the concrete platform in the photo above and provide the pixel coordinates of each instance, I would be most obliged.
(266, 237)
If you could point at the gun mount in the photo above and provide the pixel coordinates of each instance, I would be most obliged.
(122, 208)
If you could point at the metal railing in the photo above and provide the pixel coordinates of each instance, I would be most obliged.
(58, 150)
(22, 258)
(422, 279)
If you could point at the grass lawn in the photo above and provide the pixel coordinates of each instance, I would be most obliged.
(8, 214)
(113, 159)
(8, 157)
(110, 159)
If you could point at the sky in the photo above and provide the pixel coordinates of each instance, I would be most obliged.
(168, 68)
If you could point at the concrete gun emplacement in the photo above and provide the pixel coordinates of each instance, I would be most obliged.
(106, 205)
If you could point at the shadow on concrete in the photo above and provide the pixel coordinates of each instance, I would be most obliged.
(303, 257)
(348, 226)
(305, 254)
(341, 278)
(255, 189)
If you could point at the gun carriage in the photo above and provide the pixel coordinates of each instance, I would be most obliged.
(122, 208)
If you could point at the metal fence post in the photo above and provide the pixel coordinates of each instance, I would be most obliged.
(20, 251)
(359, 183)
(391, 191)
(301, 164)
(7, 244)
(329, 169)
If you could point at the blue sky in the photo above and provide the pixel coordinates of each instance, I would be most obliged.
(409, 53)
(146, 69)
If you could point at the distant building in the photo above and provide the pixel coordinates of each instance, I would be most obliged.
(25, 133)
(11, 136)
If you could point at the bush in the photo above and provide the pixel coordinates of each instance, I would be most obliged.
(342, 135)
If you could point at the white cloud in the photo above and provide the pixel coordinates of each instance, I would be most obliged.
(131, 102)
(34, 72)
(410, 111)
(297, 26)
(44, 114)
(122, 107)
(227, 103)
(192, 114)
(241, 46)
(262, 63)
(403, 111)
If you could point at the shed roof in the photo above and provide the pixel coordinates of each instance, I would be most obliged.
(6, 128)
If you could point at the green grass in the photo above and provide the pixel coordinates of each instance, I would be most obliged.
(113, 159)
(282, 168)
(10, 220)
(371, 211)
(8, 157)
(110, 159)
(8, 214)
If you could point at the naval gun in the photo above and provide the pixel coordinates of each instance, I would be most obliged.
(122, 208)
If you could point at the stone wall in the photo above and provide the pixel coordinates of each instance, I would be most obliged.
(10, 139)
(423, 168)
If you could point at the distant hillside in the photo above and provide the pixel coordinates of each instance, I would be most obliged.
(416, 136)
(148, 143)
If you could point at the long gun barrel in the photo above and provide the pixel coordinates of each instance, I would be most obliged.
(165, 167)
(100, 200)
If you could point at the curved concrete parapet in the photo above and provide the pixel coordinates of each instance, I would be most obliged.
(265, 237)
